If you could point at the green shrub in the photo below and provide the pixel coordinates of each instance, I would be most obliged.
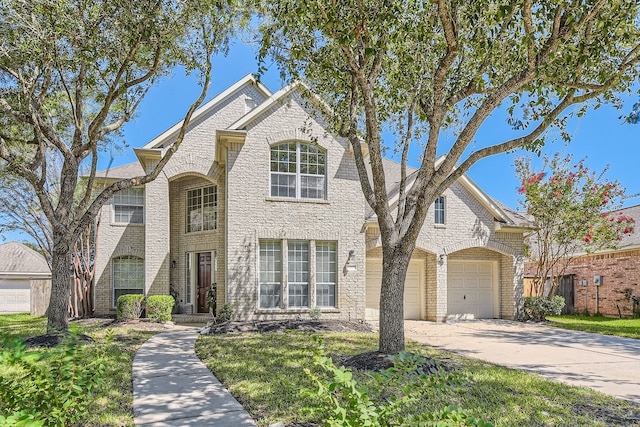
(212, 298)
(159, 307)
(315, 313)
(352, 405)
(225, 313)
(130, 306)
(538, 308)
(49, 388)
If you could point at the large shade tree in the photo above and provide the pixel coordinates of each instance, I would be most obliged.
(428, 68)
(72, 73)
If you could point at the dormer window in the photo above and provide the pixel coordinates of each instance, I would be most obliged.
(298, 171)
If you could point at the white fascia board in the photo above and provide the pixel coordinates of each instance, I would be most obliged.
(247, 118)
(249, 78)
(483, 198)
(24, 275)
(273, 100)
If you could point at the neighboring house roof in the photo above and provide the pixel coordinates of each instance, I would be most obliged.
(631, 240)
(17, 259)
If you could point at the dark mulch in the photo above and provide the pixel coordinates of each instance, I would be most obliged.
(50, 341)
(376, 361)
(284, 325)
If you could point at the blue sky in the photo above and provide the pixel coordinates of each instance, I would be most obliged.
(600, 135)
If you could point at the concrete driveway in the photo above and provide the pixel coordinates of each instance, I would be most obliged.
(604, 363)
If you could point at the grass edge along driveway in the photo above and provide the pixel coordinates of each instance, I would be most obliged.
(627, 328)
(265, 373)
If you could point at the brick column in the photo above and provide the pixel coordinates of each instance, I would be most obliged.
(157, 262)
(441, 288)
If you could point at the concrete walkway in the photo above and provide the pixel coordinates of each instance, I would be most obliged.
(601, 362)
(171, 387)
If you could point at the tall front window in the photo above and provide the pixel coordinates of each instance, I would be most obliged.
(128, 206)
(326, 274)
(298, 278)
(439, 210)
(298, 171)
(270, 273)
(128, 276)
(202, 208)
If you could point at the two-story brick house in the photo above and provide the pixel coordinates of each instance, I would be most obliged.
(263, 201)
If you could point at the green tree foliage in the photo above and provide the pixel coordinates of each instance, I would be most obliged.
(575, 211)
(425, 69)
(71, 74)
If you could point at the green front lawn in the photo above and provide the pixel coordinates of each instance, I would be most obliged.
(629, 328)
(114, 405)
(265, 373)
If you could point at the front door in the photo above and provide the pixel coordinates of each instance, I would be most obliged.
(204, 280)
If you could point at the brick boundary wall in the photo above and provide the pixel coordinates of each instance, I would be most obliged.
(621, 280)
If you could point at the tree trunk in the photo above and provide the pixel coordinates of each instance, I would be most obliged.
(395, 262)
(60, 290)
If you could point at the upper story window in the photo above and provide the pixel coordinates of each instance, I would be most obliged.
(128, 206)
(202, 208)
(439, 210)
(298, 171)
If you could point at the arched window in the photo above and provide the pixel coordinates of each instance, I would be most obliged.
(298, 171)
(128, 276)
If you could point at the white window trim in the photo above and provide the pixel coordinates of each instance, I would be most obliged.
(113, 277)
(282, 278)
(298, 175)
(444, 212)
(312, 284)
(186, 205)
(114, 204)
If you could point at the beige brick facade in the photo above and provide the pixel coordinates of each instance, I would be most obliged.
(239, 167)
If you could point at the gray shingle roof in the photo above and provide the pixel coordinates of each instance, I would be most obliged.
(18, 258)
(631, 239)
(392, 183)
(125, 171)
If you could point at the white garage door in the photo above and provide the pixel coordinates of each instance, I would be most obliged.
(14, 296)
(470, 289)
(411, 290)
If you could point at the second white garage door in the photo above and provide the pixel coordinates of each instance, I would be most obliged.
(14, 296)
(470, 289)
(412, 297)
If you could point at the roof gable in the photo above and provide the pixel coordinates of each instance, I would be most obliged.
(161, 139)
(392, 179)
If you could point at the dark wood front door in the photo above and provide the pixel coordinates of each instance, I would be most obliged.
(204, 280)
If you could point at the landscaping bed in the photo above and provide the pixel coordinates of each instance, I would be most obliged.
(265, 372)
(288, 325)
